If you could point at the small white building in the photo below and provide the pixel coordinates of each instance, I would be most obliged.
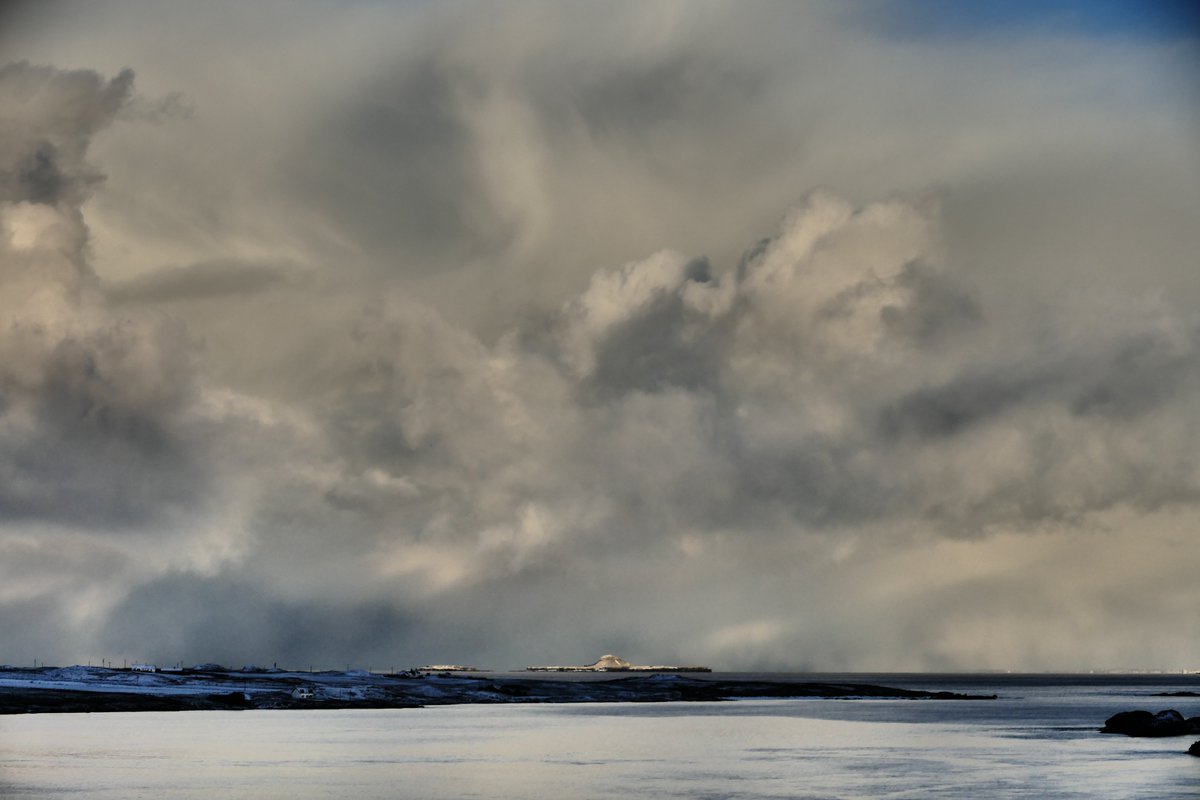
(302, 693)
(144, 668)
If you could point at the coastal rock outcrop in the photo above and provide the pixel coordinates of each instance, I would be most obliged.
(1143, 723)
(1194, 750)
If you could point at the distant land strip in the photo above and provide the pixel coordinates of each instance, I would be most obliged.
(83, 690)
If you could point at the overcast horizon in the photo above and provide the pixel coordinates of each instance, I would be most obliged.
(765, 336)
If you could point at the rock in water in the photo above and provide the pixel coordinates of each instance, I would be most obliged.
(1126, 722)
(1194, 750)
(1142, 723)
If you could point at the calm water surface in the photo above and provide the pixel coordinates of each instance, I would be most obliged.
(1038, 740)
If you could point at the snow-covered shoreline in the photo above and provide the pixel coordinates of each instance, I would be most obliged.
(84, 689)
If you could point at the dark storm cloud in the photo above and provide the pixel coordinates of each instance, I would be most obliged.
(459, 150)
(36, 177)
(940, 306)
(210, 279)
(947, 410)
(429, 387)
(99, 472)
(1129, 378)
(1140, 375)
(53, 115)
(89, 424)
(661, 347)
(816, 482)
(48, 560)
(657, 95)
(231, 619)
(411, 120)
(43, 638)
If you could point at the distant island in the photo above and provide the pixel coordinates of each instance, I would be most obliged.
(611, 663)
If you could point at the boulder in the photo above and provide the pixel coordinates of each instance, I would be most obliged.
(1142, 723)
(1194, 750)
(1126, 722)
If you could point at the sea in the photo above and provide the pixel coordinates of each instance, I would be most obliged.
(1038, 739)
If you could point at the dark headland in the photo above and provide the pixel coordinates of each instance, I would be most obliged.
(95, 689)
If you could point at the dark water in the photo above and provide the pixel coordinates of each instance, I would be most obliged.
(1037, 740)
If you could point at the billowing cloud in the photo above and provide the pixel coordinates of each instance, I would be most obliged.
(533, 340)
(89, 398)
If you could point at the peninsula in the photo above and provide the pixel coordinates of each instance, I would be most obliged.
(91, 689)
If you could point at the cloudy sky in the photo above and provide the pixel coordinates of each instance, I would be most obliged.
(850, 335)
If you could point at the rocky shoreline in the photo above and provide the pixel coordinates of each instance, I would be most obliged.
(1146, 724)
(1164, 724)
(67, 701)
(88, 690)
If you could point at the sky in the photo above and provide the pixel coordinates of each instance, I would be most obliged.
(767, 336)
